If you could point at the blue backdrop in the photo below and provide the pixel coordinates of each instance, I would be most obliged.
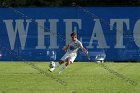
(39, 34)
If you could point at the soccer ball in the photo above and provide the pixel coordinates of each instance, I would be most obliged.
(52, 64)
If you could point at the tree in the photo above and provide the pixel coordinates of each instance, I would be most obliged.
(51, 3)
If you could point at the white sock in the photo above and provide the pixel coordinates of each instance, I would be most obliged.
(57, 65)
(63, 68)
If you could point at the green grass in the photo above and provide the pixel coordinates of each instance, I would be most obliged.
(80, 77)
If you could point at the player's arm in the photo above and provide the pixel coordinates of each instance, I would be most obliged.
(66, 47)
(83, 49)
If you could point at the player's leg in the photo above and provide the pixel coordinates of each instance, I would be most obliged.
(59, 63)
(66, 65)
(70, 60)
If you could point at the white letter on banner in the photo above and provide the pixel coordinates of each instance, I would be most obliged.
(119, 29)
(19, 27)
(98, 35)
(52, 33)
(136, 33)
(69, 27)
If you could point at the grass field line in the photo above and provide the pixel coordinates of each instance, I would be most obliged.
(117, 74)
(32, 65)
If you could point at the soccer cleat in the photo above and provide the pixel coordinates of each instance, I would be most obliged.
(51, 69)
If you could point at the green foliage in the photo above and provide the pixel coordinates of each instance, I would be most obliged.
(56, 3)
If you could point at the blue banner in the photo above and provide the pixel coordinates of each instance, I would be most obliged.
(39, 34)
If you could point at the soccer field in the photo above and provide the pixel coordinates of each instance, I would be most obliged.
(80, 77)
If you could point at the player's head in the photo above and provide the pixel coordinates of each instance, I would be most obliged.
(73, 36)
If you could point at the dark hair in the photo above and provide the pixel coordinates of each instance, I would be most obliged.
(73, 34)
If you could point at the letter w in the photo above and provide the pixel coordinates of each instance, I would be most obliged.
(19, 27)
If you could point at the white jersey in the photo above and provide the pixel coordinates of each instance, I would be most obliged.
(71, 53)
(73, 46)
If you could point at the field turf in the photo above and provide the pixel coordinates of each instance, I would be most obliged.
(80, 77)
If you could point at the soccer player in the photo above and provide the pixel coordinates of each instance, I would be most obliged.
(71, 53)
